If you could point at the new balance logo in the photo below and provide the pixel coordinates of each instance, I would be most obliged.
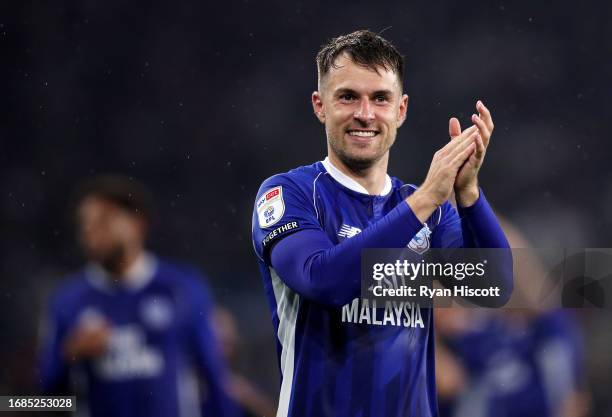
(348, 231)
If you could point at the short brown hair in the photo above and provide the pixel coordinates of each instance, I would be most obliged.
(125, 192)
(364, 48)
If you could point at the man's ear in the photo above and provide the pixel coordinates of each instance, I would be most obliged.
(403, 108)
(317, 106)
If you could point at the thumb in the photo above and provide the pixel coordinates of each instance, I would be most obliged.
(454, 127)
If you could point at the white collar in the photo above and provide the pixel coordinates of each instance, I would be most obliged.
(137, 276)
(350, 183)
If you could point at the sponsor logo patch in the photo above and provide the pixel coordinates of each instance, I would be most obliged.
(270, 207)
(420, 241)
(347, 231)
(156, 312)
(128, 356)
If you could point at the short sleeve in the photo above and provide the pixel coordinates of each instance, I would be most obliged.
(283, 207)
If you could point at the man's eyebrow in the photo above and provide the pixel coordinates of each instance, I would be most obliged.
(341, 91)
(387, 93)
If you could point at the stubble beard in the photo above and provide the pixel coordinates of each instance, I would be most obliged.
(357, 163)
(112, 261)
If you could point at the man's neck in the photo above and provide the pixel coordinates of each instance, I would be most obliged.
(135, 274)
(121, 268)
(373, 178)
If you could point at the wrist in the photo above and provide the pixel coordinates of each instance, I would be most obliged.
(421, 204)
(468, 196)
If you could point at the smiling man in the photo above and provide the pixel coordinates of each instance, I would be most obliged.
(311, 224)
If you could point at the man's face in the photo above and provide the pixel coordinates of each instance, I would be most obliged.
(361, 110)
(107, 231)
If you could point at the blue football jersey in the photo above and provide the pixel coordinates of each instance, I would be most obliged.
(161, 342)
(358, 359)
(518, 367)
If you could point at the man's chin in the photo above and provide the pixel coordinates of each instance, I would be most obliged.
(111, 262)
(359, 162)
(358, 157)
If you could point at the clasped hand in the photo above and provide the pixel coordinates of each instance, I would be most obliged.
(455, 166)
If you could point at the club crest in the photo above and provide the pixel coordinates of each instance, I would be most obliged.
(420, 242)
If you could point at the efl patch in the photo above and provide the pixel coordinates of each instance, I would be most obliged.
(420, 241)
(270, 207)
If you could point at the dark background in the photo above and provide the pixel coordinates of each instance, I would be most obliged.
(202, 101)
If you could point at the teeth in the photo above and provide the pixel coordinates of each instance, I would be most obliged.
(365, 134)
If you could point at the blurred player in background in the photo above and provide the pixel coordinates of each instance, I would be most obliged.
(134, 327)
(310, 225)
(524, 362)
(252, 401)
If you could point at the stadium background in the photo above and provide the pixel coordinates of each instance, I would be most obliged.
(201, 101)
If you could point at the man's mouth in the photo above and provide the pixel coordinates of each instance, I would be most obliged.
(362, 133)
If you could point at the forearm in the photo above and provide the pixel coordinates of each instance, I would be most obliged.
(330, 274)
(481, 229)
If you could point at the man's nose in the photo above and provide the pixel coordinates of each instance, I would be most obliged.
(365, 112)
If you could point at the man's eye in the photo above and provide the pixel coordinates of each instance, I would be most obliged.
(381, 99)
(347, 97)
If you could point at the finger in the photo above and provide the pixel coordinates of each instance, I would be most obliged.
(480, 148)
(482, 127)
(458, 140)
(454, 127)
(467, 132)
(485, 115)
(462, 146)
(463, 156)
